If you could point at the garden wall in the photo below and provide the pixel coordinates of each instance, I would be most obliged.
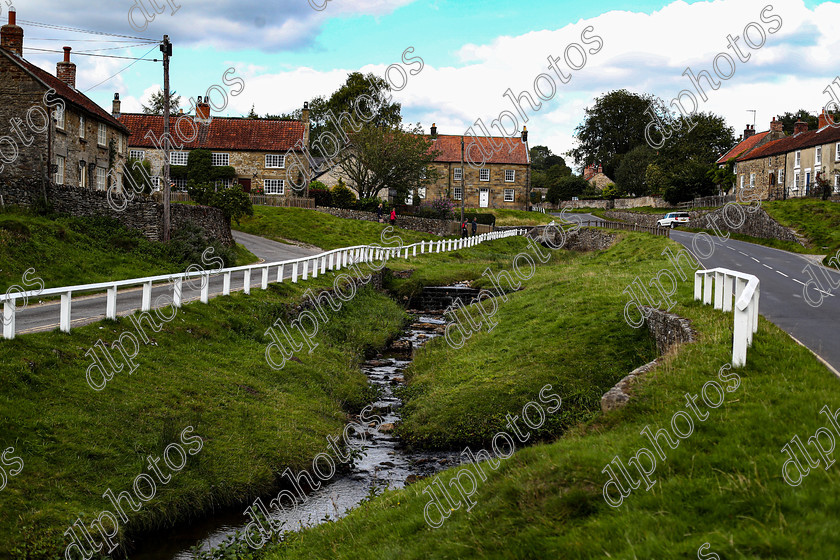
(426, 225)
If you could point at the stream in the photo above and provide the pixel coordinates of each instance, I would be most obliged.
(384, 464)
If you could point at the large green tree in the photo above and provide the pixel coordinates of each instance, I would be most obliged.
(155, 106)
(566, 188)
(630, 175)
(546, 166)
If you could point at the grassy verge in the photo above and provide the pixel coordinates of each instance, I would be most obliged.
(510, 217)
(206, 369)
(320, 229)
(722, 485)
(66, 251)
(817, 220)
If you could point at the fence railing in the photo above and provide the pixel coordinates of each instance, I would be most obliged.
(301, 269)
(718, 286)
(259, 199)
(655, 230)
(707, 202)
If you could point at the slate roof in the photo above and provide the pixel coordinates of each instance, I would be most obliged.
(222, 133)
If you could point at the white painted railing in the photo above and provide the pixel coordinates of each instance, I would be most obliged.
(301, 269)
(718, 286)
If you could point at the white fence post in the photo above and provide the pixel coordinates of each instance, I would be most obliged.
(111, 303)
(146, 303)
(247, 281)
(265, 278)
(294, 272)
(323, 260)
(314, 268)
(64, 320)
(414, 250)
(226, 283)
(9, 319)
(177, 286)
(205, 288)
(280, 272)
(305, 274)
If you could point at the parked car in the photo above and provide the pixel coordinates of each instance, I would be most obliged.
(674, 219)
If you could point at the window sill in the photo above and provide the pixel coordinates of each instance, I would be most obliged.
(61, 130)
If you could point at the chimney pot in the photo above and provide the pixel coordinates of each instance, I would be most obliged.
(66, 70)
(12, 16)
(11, 35)
(67, 54)
(823, 119)
(800, 126)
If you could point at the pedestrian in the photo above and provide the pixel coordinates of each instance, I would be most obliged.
(474, 226)
(464, 228)
(393, 216)
(379, 211)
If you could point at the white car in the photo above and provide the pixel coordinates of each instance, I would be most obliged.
(674, 219)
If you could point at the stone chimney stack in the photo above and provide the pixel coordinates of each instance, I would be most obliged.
(525, 134)
(749, 131)
(202, 109)
(115, 106)
(823, 120)
(11, 36)
(304, 118)
(800, 126)
(66, 70)
(775, 126)
(433, 132)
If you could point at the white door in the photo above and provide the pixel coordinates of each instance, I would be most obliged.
(484, 198)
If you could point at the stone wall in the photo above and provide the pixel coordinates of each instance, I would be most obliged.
(141, 214)
(426, 225)
(585, 239)
(496, 185)
(652, 201)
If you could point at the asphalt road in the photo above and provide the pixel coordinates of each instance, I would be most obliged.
(88, 309)
(783, 277)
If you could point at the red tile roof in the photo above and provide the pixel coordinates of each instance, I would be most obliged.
(450, 148)
(796, 142)
(743, 147)
(64, 91)
(223, 133)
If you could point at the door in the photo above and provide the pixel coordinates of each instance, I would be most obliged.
(484, 198)
(246, 184)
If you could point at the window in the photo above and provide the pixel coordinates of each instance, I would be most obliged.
(510, 175)
(102, 137)
(770, 161)
(837, 151)
(101, 179)
(275, 161)
(752, 180)
(409, 200)
(224, 183)
(180, 184)
(483, 174)
(781, 176)
(509, 195)
(59, 118)
(221, 159)
(742, 181)
(119, 143)
(457, 193)
(796, 180)
(421, 192)
(275, 186)
(177, 158)
(797, 158)
(458, 172)
(807, 178)
(818, 155)
(81, 126)
(59, 170)
(836, 182)
(137, 154)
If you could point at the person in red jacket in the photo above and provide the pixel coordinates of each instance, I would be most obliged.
(393, 216)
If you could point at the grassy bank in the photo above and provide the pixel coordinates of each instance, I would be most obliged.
(722, 485)
(206, 368)
(817, 220)
(65, 251)
(320, 229)
(510, 217)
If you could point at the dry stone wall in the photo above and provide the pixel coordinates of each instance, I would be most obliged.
(426, 225)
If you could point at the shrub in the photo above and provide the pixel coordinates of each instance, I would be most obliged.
(321, 193)
(370, 204)
(233, 201)
(443, 208)
(342, 196)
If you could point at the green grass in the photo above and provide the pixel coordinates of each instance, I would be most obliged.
(817, 220)
(66, 251)
(722, 485)
(206, 368)
(320, 229)
(510, 217)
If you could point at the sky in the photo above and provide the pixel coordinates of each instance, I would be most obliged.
(452, 61)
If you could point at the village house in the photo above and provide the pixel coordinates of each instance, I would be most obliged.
(596, 177)
(256, 148)
(750, 142)
(56, 131)
(789, 166)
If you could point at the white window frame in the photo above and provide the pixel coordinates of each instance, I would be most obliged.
(409, 199)
(273, 158)
(119, 143)
(837, 151)
(218, 157)
(82, 126)
(836, 182)
(742, 181)
(818, 155)
(60, 163)
(180, 183)
(133, 154)
(458, 173)
(796, 175)
(512, 173)
(808, 177)
(102, 135)
(511, 193)
(59, 118)
(752, 180)
(421, 192)
(155, 182)
(482, 173)
(224, 183)
(83, 178)
(101, 178)
(269, 185)
(172, 158)
(797, 159)
(780, 177)
(456, 193)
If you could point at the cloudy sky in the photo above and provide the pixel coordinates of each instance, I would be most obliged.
(472, 52)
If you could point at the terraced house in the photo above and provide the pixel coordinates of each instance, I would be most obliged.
(56, 132)
(255, 148)
(789, 167)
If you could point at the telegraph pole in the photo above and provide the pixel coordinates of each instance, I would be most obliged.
(463, 190)
(166, 49)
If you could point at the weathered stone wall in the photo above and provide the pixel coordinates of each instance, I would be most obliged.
(141, 214)
(19, 93)
(426, 225)
(585, 239)
(445, 186)
(655, 202)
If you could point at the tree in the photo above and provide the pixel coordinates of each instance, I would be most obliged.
(655, 179)
(723, 176)
(389, 157)
(232, 201)
(252, 114)
(342, 197)
(630, 174)
(155, 106)
(566, 188)
(612, 127)
(789, 119)
(542, 159)
(138, 175)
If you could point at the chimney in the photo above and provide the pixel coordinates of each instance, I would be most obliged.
(202, 109)
(525, 134)
(11, 36)
(66, 70)
(823, 120)
(115, 106)
(304, 118)
(776, 126)
(800, 126)
(434, 131)
(748, 132)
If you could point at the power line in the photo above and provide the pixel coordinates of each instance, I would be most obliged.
(84, 40)
(86, 51)
(134, 58)
(120, 72)
(79, 30)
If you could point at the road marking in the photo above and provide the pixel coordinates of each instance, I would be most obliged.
(799, 281)
(783, 274)
(755, 259)
(764, 265)
(743, 253)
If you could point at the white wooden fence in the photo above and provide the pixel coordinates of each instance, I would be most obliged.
(301, 269)
(718, 286)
